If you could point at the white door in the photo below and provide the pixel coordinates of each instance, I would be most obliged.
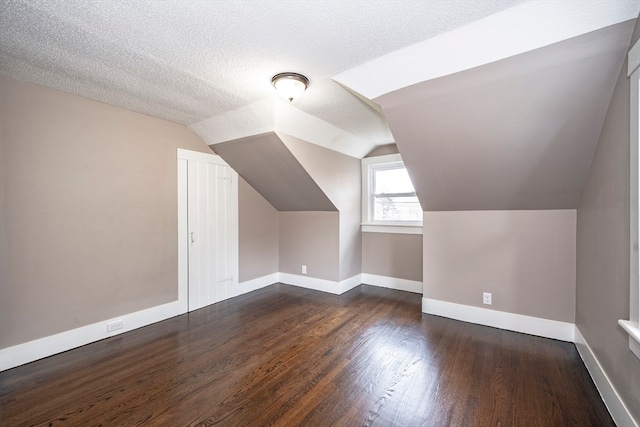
(208, 228)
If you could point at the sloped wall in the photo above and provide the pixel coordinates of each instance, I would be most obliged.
(267, 164)
(302, 181)
(339, 176)
(602, 284)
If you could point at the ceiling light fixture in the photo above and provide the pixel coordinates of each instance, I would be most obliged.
(290, 85)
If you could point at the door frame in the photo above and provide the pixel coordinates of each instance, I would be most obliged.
(183, 157)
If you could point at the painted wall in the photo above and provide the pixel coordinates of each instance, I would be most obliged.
(392, 255)
(526, 259)
(389, 254)
(602, 288)
(88, 225)
(268, 165)
(311, 239)
(498, 136)
(339, 176)
(258, 234)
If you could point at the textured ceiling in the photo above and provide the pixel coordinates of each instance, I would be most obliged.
(522, 28)
(188, 61)
(455, 73)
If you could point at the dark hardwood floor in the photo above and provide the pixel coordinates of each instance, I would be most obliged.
(288, 356)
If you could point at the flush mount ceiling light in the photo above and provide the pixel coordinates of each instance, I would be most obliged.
(290, 85)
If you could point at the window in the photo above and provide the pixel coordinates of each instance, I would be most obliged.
(632, 325)
(388, 196)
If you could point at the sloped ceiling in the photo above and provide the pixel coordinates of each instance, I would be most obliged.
(267, 165)
(187, 61)
(515, 134)
(208, 64)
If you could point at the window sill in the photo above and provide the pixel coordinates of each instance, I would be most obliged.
(392, 229)
(634, 335)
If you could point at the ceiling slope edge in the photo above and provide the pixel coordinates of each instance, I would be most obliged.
(337, 174)
(276, 115)
(530, 127)
(269, 166)
(508, 33)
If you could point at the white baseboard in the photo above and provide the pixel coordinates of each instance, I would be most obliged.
(28, 352)
(323, 285)
(257, 283)
(392, 283)
(610, 396)
(21, 354)
(350, 283)
(500, 319)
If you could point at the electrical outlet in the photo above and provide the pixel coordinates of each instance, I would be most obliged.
(115, 325)
(486, 298)
(304, 269)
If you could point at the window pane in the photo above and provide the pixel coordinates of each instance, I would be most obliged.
(397, 209)
(394, 180)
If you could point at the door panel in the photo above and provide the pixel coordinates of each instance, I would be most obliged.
(210, 237)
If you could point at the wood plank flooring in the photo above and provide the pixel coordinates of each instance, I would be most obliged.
(286, 356)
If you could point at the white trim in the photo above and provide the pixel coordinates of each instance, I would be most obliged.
(608, 393)
(231, 206)
(392, 283)
(323, 285)
(634, 335)
(391, 229)
(33, 350)
(368, 225)
(199, 156)
(183, 250)
(37, 349)
(631, 325)
(387, 158)
(500, 319)
(350, 283)
(257, 283)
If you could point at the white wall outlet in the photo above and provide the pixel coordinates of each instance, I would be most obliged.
(486, 298)
(115, 325)
(304, 269)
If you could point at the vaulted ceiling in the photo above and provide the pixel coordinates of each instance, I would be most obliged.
(493, 105)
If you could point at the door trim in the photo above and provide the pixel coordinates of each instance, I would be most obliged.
(183, 157)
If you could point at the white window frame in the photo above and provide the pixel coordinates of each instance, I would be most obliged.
(368, 224)
(632, 326)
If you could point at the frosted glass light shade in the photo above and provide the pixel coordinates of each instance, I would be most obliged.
(290, 85)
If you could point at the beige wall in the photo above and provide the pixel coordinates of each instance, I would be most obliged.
(518, 133)
(339, 176)
(602, 289)
(392, 255)
(258, 234)
(310, 238)
(268, 165)
(526, 259)
(89, 211)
